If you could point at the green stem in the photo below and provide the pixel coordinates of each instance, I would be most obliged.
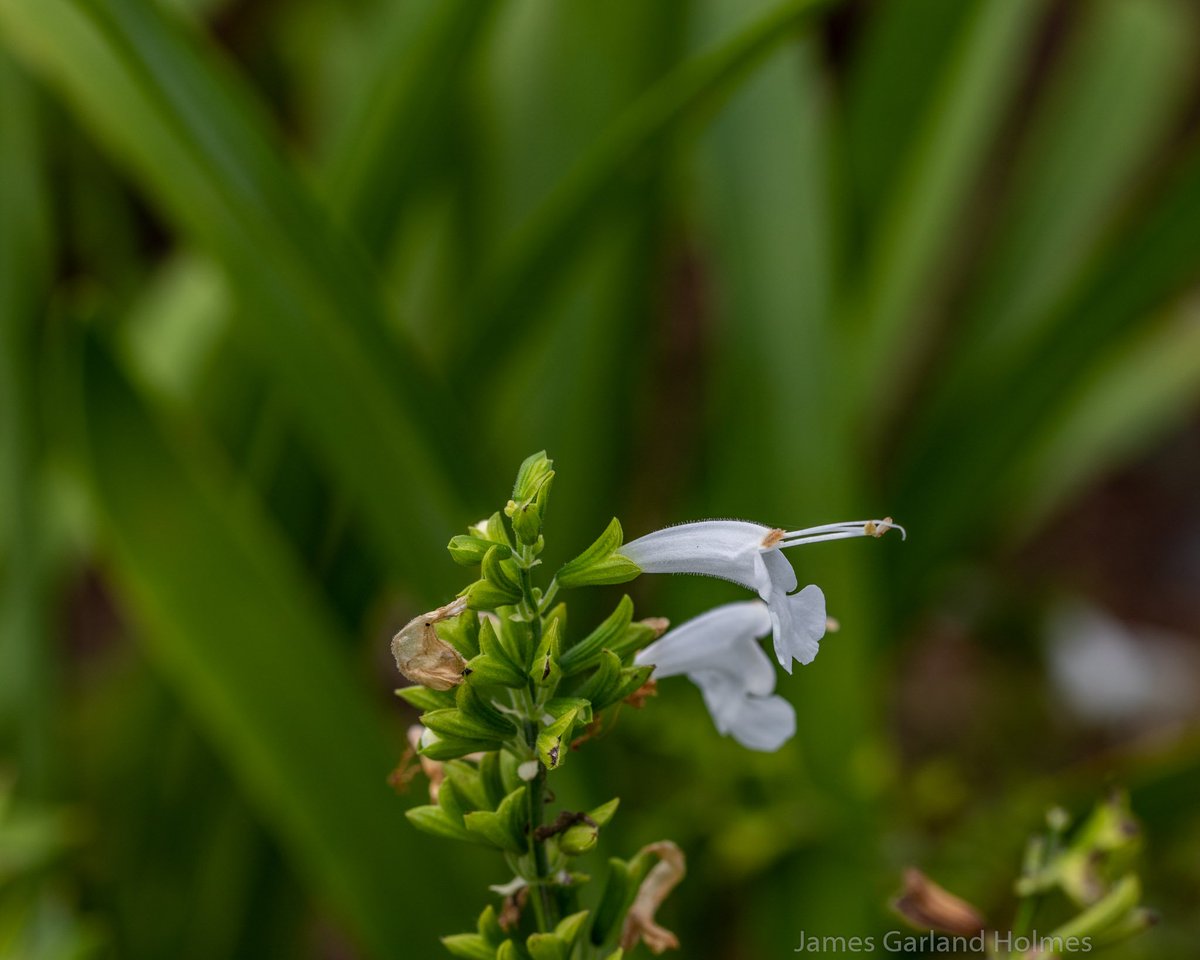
(544, 908)
(543, 902)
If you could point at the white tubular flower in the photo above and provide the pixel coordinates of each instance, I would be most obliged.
(717, 652)
(749, 554)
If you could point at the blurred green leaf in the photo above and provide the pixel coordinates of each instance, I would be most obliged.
(178, 120)
(231, 621)
(525, 271)
(963, 112)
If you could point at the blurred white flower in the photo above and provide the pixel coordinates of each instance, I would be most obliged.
(749, 554)
(718, 652)
(1112, 673)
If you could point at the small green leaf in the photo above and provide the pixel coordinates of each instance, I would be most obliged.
(553, 742)
(569, 928)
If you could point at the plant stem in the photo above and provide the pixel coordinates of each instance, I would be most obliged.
(543, 903)
(544, 909)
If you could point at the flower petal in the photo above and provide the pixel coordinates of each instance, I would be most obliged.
(799, 624)
(726, 549)
(764, 723)
(708, 641)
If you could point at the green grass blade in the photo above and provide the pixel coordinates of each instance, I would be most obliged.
(527, 269)
(918, 228)
(233, 624)
(27, 554)
(174, 120)
(399, 124)
(1107, 108)
(893, 74)
(1145, 384)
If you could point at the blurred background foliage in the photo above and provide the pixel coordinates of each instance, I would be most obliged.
(287, 290)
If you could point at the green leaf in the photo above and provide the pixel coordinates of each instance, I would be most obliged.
(619, 889)
(500, 573)
(196, 141)
(532, 260)
(308, 746)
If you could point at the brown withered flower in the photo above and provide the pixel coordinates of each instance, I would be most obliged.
(659, 882)
(929, 907)
(424, 657)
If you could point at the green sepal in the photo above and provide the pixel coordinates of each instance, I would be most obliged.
(500, 571)
(582, 837)
(632, 638)
(533, 472)
(451, 748)
(455, 724)
(604, 813)
(469, 946)
(491, 780)
(468, 783)
(516, 636)
(503, 828)
(480, 711)
(452, 802)
(602, 683)
(586, 653)
(526, 520)
(434, 821)
(569, 928)
(485, 595)
(632, 678)
(492, 530)
(619, 890)
(462, 633)
(554, 741)
(617, 954)
(500, 667)
(558, 613)
(545, 671)
(425, 699)
(467, 550)
(487, 671)
(546, 946)
(489, 927)
(600, 563)
(509, 950)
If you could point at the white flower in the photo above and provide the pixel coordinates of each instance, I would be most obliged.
(718, 652)
(749, 554)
